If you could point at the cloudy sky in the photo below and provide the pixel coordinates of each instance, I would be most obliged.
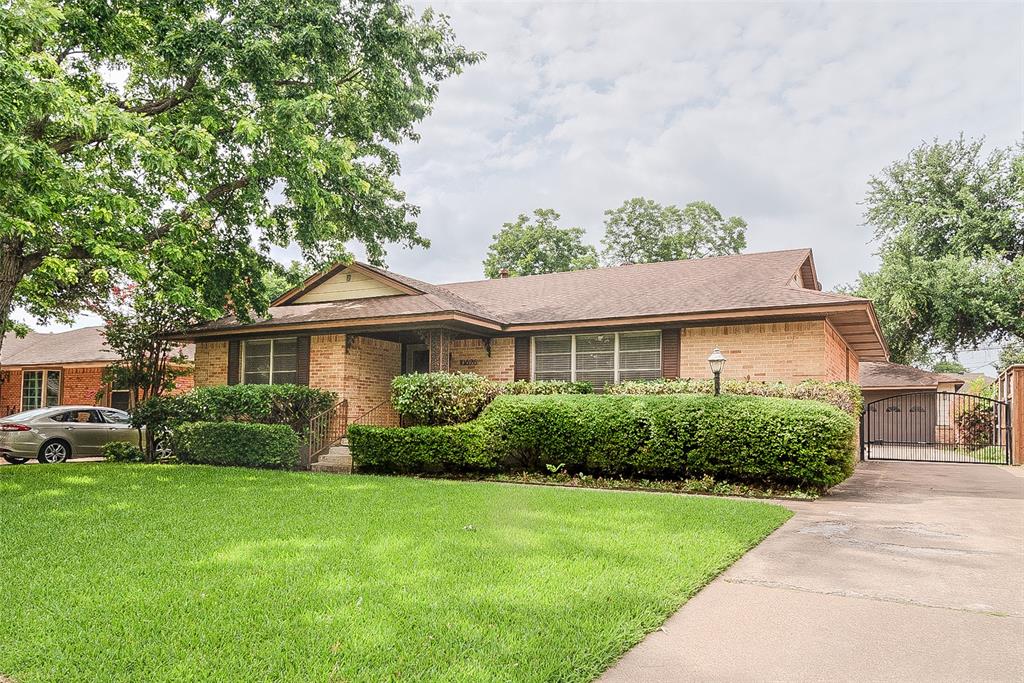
(778, 113)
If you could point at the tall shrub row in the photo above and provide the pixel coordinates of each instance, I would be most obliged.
(750, 439)
(448, 398)
(245, 425)
(844, 395)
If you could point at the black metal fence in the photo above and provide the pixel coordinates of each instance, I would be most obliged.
(937, 426)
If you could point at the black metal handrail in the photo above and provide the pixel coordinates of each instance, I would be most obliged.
(381, 415)
(324, 430)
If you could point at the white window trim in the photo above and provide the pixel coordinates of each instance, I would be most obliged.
(42, 387)
(272, 340)
(572, 352)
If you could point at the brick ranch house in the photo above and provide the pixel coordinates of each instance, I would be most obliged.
(352, 328)
(61, 368)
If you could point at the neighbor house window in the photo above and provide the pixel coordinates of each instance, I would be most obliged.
(40, 388)
(600, 358)
(269, 361)
(119, 396)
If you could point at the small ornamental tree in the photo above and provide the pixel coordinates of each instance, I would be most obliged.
(137, 324)
(138, 320)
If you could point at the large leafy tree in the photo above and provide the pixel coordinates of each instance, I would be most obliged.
(1012, 353)
(195, 134)
(949, 220)
(278, 278)
(643, 231)
(532, 246)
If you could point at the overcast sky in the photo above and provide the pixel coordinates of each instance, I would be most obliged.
(778, 113)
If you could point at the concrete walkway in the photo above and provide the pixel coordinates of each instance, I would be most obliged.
(907, 571)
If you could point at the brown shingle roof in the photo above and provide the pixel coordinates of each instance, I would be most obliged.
(84, 345)
(895, 375)
(724, 283)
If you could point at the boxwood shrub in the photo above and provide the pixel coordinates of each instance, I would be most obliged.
(748, 439)
(454, 449)
(237, 444)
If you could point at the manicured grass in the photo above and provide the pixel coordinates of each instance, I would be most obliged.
(174, 573)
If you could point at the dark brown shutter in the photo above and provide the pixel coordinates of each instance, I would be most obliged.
(233, 361)
(522, 362)
(670, 353)
(302, 360)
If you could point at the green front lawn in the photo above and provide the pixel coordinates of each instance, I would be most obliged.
(174, 573)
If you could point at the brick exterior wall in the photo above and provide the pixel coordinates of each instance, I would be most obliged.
(80, 386)
(470, 355)
(789, 352)
(211, 364)
(840, 363)
(362, 375)
(10, 392)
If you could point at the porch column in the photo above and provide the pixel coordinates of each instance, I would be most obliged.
(439, 345)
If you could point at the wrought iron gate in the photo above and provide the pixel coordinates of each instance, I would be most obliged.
(936, 426)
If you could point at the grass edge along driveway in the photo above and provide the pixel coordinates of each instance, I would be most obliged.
(169, 573)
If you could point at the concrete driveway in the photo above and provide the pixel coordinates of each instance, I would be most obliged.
(907, 571)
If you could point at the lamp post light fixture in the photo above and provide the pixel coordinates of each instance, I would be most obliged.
(717, 361)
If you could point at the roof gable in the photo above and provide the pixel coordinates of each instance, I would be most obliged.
(344, 282)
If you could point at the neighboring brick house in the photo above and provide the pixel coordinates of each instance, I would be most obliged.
(353, 328)
(61, 368)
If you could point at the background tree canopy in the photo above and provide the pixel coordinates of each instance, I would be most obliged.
(535, 246)
(643, 231)
(197, 134)
(639, 231)
(950, 224)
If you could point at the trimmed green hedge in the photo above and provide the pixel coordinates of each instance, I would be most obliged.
(237, 444)
(844, 395)
(289, 404)
(454, 448)
(449, 398)
(731, 438)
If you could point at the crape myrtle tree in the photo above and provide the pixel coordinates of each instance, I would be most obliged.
(138, 323)
(191, 136)
(534, 246)
(949, 220)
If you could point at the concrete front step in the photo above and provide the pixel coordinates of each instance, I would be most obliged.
(337, 459)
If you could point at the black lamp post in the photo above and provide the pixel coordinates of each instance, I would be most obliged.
(717, 361)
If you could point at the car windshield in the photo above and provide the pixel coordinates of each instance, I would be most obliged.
(27, 415)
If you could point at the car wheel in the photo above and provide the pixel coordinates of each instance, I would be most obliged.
(163, 450)
(55, 451)
(15, 461)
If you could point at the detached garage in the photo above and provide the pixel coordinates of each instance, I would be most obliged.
(913, 414)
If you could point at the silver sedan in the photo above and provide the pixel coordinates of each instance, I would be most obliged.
(55, 434)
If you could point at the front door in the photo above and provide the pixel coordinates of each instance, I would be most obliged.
(417, 358)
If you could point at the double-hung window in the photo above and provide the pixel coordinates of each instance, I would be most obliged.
(40, 389)
(601, 358)
(269, 361)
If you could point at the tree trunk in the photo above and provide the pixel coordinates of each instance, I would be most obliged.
(11, 262)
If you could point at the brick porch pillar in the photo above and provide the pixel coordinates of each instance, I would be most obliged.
(439, 344)
(1011, 387)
